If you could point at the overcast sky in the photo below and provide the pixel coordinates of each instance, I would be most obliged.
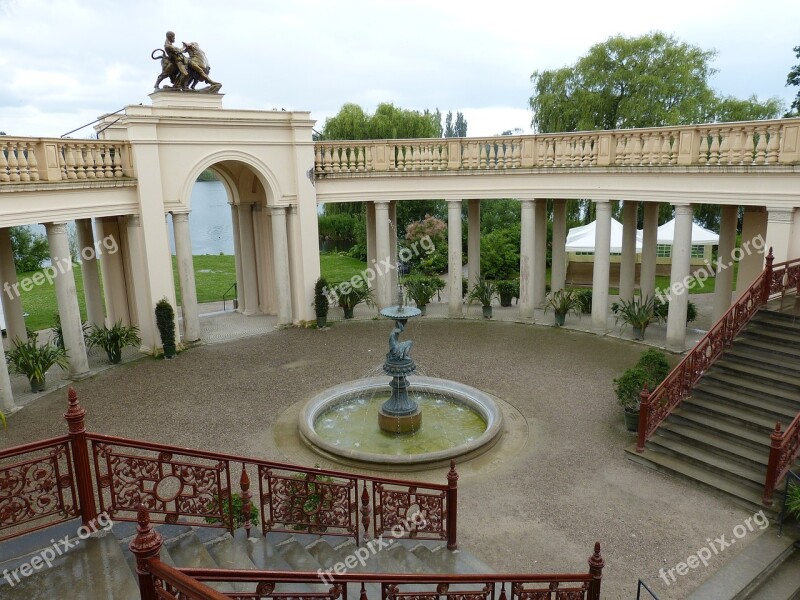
(63, 63)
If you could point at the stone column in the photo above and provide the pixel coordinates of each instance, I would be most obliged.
(371, 252)
(383, 250)
(393, 243)
(602, 266)
(754, 224)
(679, 277)
(7, 405)
(95, 312)
(526, 260)
(558, 270)
(12, 303)
(237, 259)
(539, 252)
(647, 277)
(67, 299)
(280, 255)
(113, 270)
(474, 240)
(627, 267)
(454, 258)
(249, 272)
(779, 232)
(148, 332)
(183, 256)
(724, 278)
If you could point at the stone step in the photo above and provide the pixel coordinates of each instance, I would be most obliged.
(755, 344)
(777, 335)
(230, 552)
(716, 443)
(714, 463)
(442, 560)
(188, 551)
(783, 583)
(767, 360)
(378, 561)
(757, 374)
(297, 556)
(739, 493)
(777, 410)
(741, 416)
(778, 320)
(408, 561)
(702, 420)
(264, 555)
(743, 574)
(749, 385)
(96, 568)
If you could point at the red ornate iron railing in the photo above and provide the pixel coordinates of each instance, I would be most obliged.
(37, 487)
(158, 580)
(657, 405)
(194, 487)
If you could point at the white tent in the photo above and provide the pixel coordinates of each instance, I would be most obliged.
(581, 239)
(700, 235)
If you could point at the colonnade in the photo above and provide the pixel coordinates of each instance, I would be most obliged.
(778, 227)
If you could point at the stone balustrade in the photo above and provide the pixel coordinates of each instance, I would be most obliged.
(24, 160)
(775, 142)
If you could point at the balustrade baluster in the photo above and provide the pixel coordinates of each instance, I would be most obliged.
(80, 162)
(619, 153)
(24, 175)
(369, 165)
(99, 167)
(444, 156)
(636, 152)
(482, 163)
(33, 162)
(761, 147)
(108, 167)
(366, 511)
(550, 153)
(327, 161)
(664, 157)
(647, 150)
(500, 162)
(318, 160)
(593, 152)
(88, 161)
(713, 152)
(749, 146)
(348, 160)
(4, 151)
(772, 147)
(725, 148)
(737, 146)
(117, 160)
(360, 159)
(436, 158)
(702, 157)
(417, 158)
(574, 152)
(516, 154)
(13, 163)
(584, 152)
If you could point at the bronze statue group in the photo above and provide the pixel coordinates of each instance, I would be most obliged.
(184, 66)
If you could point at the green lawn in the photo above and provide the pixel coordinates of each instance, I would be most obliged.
(214, 274)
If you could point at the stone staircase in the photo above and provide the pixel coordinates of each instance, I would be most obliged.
(103, 567)
(719, 437)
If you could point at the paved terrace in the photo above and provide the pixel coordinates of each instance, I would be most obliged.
(535, 503)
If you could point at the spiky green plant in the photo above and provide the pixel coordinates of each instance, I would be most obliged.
(113, 339)
(33, 360)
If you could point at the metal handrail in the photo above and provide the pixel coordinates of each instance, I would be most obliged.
(235, 296)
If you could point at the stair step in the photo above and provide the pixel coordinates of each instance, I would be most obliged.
(189, 551)
(231, 553)
(408, 561)
(762, 405)
(94, 569)
(443, 560)
(758, 344)
(714, 442)
(767, 360)
(297, 556)
(759, 423)
(779, 320)
(775, 334)
(264, 555)
(701, 420)
(783, 583)
(739, 575)
(758, 373)
(720, 465)
(742, 494)
(748, 384)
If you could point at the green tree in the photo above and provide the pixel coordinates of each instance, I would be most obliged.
(793, 79)
(459, 129)
(30, 249)
(648, 81)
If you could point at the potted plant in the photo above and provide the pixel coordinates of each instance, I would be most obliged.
(662, 309)
(650, 370)
(484, 292)
(507, 289)
(58, 331)
(353, 297)
(114, 339)
(33, 360)
(321, 302)
(584, 301)
(420, 289)
(165, 321)
(638, 313)
(562, 302)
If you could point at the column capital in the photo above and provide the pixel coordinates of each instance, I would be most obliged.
(277, 210)
(381, 204)
(602, 205)
(57, 228)
(136, 220)
(453, 203)
(780, 214)
(602, 201)
(683, 208)
(180, 217)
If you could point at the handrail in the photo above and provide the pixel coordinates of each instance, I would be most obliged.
(656, 406)
(641, 585)
(235, 296)
(180, 583)
(791, 477)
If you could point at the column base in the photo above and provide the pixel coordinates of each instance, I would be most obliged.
(405, 424)
(79, 376)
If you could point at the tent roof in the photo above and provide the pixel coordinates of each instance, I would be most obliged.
(581, 239)
(700, 235)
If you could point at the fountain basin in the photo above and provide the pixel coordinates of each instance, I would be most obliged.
(401, 451)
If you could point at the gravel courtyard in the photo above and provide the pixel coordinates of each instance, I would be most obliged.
(539, 508)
